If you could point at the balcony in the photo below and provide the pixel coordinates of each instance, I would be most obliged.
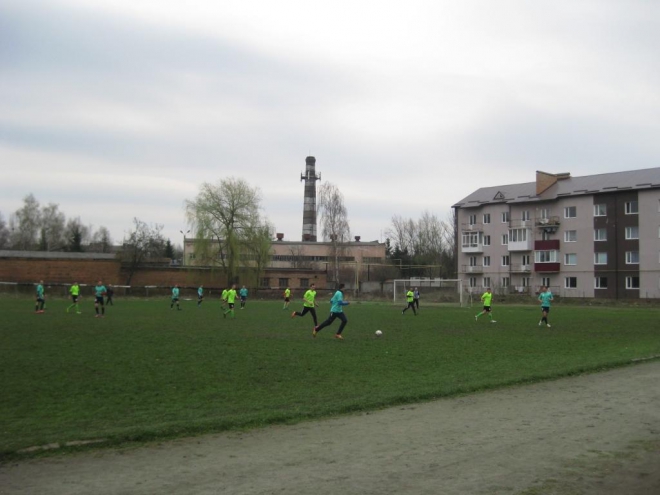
(472, 227)
(472, 248)
(547, 267)
(518, 268)
(473, 269)
(547, 224)
(548, 245)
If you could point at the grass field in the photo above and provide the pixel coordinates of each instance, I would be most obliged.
(145, 372)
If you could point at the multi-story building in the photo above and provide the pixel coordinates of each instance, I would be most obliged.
(594, 236)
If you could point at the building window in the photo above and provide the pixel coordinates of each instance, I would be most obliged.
(472, 219)
(283, 282)
(632, 208)
(632, 257)
(545, 281)
(505, 239)
(304, 282)
(632, 282)
(518, 235)
(506, 282)
(570, 212)
(525, 215)
(473, 261)
(505, 260)
(545, 213)
(600, 258)
(570, 236)
(546, 257)
(470, 239)
(473, 281)
(265, 282)
(486, 240)
(632, 232)
(486, 260)
(505, 217)
(526, 282)
(486, 282)
(486, 217)
(525, 259)
(600, 283)
(570, 259)
(600, 235)
(570, 282)
(600, 210)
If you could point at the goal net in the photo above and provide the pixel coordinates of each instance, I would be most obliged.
(433, 290)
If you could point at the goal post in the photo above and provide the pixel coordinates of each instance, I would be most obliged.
(435, 290)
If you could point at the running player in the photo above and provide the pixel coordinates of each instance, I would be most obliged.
(287, 297)
(41, 298)
(200, 295)
(309, 304)
(545, 297)
(75, 293)
(486, 298)
(231, 299)
(410, 297)
(336, 311)
(175, 298)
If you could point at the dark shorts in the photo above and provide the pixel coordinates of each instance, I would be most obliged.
(231, 305)
(243, 298)
(40, 299)
(199, 298)
(175, 299)
(545, 309)
(286, 299)
(487, 309)
(99, 300)
(74, 299)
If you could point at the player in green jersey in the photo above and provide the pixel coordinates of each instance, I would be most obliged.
(74, 290)
(231, 299)
(410, 298)
(309, 304)
(486, 298)
(287, 297)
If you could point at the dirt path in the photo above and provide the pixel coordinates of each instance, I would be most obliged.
(592, 434)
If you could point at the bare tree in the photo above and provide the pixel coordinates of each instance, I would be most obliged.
(4, 233)
(102, 240)
(334, 222)
(143, 242)
(225, 218)
(52, 228)
(24, 225)
(76, 235)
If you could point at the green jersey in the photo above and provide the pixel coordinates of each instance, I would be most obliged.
(100, 290)
(410, 295)
(231, 296)
(224, 294)
(40, 291)
(287, 293)
(309, 297)
(74, 290)
(486, 298)
(175, 293)
(545, 298)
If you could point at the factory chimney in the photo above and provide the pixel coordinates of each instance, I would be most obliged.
(309, 206)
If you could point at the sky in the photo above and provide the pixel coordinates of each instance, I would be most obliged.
(121, 109)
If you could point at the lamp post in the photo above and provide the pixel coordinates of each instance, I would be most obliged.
(183, 255)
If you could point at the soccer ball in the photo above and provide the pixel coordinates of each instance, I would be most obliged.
(379, 333)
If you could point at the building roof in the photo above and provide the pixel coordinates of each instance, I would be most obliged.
(57, 255)
(566, 186)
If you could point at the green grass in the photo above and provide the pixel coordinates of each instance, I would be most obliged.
(145, 372)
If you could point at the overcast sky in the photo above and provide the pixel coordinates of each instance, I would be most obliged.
(118, 109)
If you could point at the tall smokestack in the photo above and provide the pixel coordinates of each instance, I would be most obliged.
(309, 207)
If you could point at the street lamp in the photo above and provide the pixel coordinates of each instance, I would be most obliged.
(183, 255)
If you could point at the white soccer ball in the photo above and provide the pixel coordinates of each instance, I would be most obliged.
(378, 333)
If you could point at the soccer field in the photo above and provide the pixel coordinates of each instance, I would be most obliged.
(146, 372)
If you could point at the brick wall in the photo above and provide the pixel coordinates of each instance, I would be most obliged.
(25, 270)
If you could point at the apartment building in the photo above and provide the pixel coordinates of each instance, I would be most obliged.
(595, 236)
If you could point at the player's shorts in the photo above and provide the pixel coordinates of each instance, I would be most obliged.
(243, 298)
(99, 300)
(175, 299)
(231, 305)
(199, 298)
(286, 299)
(40, 299)
(545, 309)
(74, 299)
(487, 309)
